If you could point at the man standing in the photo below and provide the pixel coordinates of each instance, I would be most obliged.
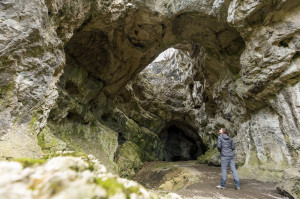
(226, 147)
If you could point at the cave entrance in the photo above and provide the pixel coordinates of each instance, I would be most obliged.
(181, 143)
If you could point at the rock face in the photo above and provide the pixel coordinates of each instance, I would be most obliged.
(31, 61)
(92, 138)
(238, 67)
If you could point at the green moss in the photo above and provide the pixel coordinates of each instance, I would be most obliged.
(41, 140)
(50, 143)
(6, 91)
(92, 138)
(133, 129)
(31, 124)
(253, 172)
(27, 162)
(82, 155)
(111, 185)
(253, 160)
(76, 154)
(275, 166)
(204, 159)
(5, 60)
(36, 51)
(297, 193)
(235, 77)
(133, 189)
(128, 159)
(91, 166)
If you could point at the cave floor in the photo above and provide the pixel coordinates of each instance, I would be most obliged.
(205, 187)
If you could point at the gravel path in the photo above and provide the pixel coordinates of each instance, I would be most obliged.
(210, 177)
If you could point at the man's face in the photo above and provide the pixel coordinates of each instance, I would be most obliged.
(220, 131)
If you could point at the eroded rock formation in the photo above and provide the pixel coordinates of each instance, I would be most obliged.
(74, 58)
(166, 99)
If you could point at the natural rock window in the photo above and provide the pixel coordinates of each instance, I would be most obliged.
(168, 88)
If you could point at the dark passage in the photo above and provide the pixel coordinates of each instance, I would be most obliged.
(178, 146)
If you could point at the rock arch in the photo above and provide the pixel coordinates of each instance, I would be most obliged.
(112, 51)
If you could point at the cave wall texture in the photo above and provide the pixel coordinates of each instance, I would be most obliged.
(69, 78)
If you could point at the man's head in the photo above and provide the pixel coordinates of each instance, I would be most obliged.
(224, 131)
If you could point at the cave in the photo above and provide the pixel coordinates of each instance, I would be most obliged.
(72, 78)
(181, 144)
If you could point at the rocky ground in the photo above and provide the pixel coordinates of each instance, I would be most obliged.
(204, 187)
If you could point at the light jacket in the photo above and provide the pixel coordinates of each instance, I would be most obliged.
(226, 146)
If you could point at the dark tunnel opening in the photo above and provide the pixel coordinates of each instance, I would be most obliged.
(180, 145)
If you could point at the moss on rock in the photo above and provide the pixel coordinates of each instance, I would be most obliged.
(28, 162)
(111, 185)
(132, 129)
(128, 159)
(250, 172)
(269, 170)
(50, 143)
(92, 138)
(146, 143)
(150, 144)
(206, 158)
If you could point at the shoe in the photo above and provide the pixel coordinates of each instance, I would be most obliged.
(220, 187)
(237, 188)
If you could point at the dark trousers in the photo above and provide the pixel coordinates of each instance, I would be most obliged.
(225, 161)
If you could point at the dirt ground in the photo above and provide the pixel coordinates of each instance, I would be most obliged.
(209, 178)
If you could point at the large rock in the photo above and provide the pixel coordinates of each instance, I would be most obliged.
(290, 183)
(31, 61)
(211, 157)
(128, 158)
(128, 130)
(64, 177)
(93, 138)
(49, 143)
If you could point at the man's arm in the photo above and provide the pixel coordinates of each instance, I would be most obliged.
(219, 145)
(232, 145)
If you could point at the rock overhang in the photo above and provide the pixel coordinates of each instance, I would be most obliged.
(115, 51)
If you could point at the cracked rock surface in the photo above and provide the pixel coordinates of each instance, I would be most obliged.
(73, 69)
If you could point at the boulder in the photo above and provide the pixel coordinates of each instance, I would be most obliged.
(65, 177)
(290, 183)
(128, 158)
